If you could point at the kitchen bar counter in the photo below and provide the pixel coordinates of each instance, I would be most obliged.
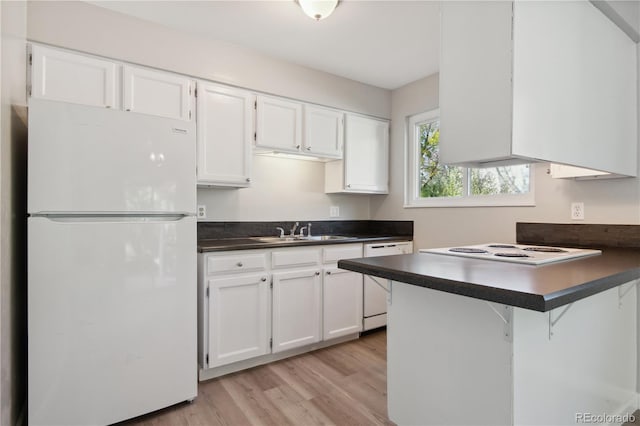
(545, 344)
(539, 288)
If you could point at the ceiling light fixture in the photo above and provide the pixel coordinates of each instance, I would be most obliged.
(318, 9)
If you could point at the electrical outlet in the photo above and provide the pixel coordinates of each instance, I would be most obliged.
(334, 211)
(577, 211)
(202, 211)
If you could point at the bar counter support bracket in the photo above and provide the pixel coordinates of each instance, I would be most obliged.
(505, 317)
(623, 293)
(553, 322)
(382, 286)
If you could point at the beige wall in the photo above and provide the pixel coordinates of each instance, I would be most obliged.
(606, 201)
(12, 212)
(282, 189)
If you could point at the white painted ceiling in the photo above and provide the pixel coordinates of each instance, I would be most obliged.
(383, 43)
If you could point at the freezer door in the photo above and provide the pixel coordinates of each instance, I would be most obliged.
(90, 159)
(111, 318)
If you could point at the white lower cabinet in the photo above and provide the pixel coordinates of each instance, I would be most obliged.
(239, 320)
(297, 308)
(256, 304)
(342, 298)
(342, 293)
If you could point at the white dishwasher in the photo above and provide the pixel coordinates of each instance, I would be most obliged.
(375, 298)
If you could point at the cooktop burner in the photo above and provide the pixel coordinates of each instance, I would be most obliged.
(467, 250)
(511, 255)
(515, 253)
(545, 249)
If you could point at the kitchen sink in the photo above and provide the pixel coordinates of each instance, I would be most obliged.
(277, 239)
(289, 239)
(326, 237)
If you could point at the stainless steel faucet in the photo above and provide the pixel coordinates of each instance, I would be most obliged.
(293, 229)
(302, 231)
(309, 229)
(281, 231)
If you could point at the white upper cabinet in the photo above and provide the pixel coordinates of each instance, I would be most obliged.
(365, 167)
(225, 134)
(323, 131)
(157, 93)
(278, 124)
(537, 81)
(68, 77)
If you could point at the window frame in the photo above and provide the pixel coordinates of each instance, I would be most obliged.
(411, 178)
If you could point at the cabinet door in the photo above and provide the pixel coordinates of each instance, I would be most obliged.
(296, 309)
(366, 167)
(225, 130)
(238, 318)
(157, 93)
(323, 131)
(278, 124)
(70, 77)
(342, 303)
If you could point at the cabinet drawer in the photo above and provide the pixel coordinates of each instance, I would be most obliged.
(282, 258)
(342, 251)
(240, 262)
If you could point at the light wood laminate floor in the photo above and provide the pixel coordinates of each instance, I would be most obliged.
(344, 384)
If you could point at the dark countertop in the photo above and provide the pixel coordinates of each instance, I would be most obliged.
(539, 288)
(247, 243)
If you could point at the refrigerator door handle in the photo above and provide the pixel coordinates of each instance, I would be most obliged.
(173, 217)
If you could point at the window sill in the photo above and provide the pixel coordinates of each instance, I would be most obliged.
(479, 201)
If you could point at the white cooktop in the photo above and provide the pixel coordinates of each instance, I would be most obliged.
(515, 253)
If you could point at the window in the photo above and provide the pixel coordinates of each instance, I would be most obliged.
(430, 183)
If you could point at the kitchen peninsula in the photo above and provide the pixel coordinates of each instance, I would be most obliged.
(484, 342)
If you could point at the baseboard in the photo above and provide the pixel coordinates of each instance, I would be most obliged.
(212, 373)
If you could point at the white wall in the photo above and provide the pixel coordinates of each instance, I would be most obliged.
(606, 201)
(282, 189)
(12, 212)
(85, 27)
(279, 186)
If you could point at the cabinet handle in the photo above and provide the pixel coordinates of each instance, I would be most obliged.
(128, 109)
(328, 272)
(107, 106)
(317, 273)
(248, 179)
(348, 185)
(297, 146)
(263, 279)
(239, 264)
(308, 148)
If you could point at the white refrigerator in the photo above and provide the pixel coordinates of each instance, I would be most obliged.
(111, 264)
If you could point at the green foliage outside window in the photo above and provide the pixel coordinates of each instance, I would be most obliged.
(439, 180)
(436, 180)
